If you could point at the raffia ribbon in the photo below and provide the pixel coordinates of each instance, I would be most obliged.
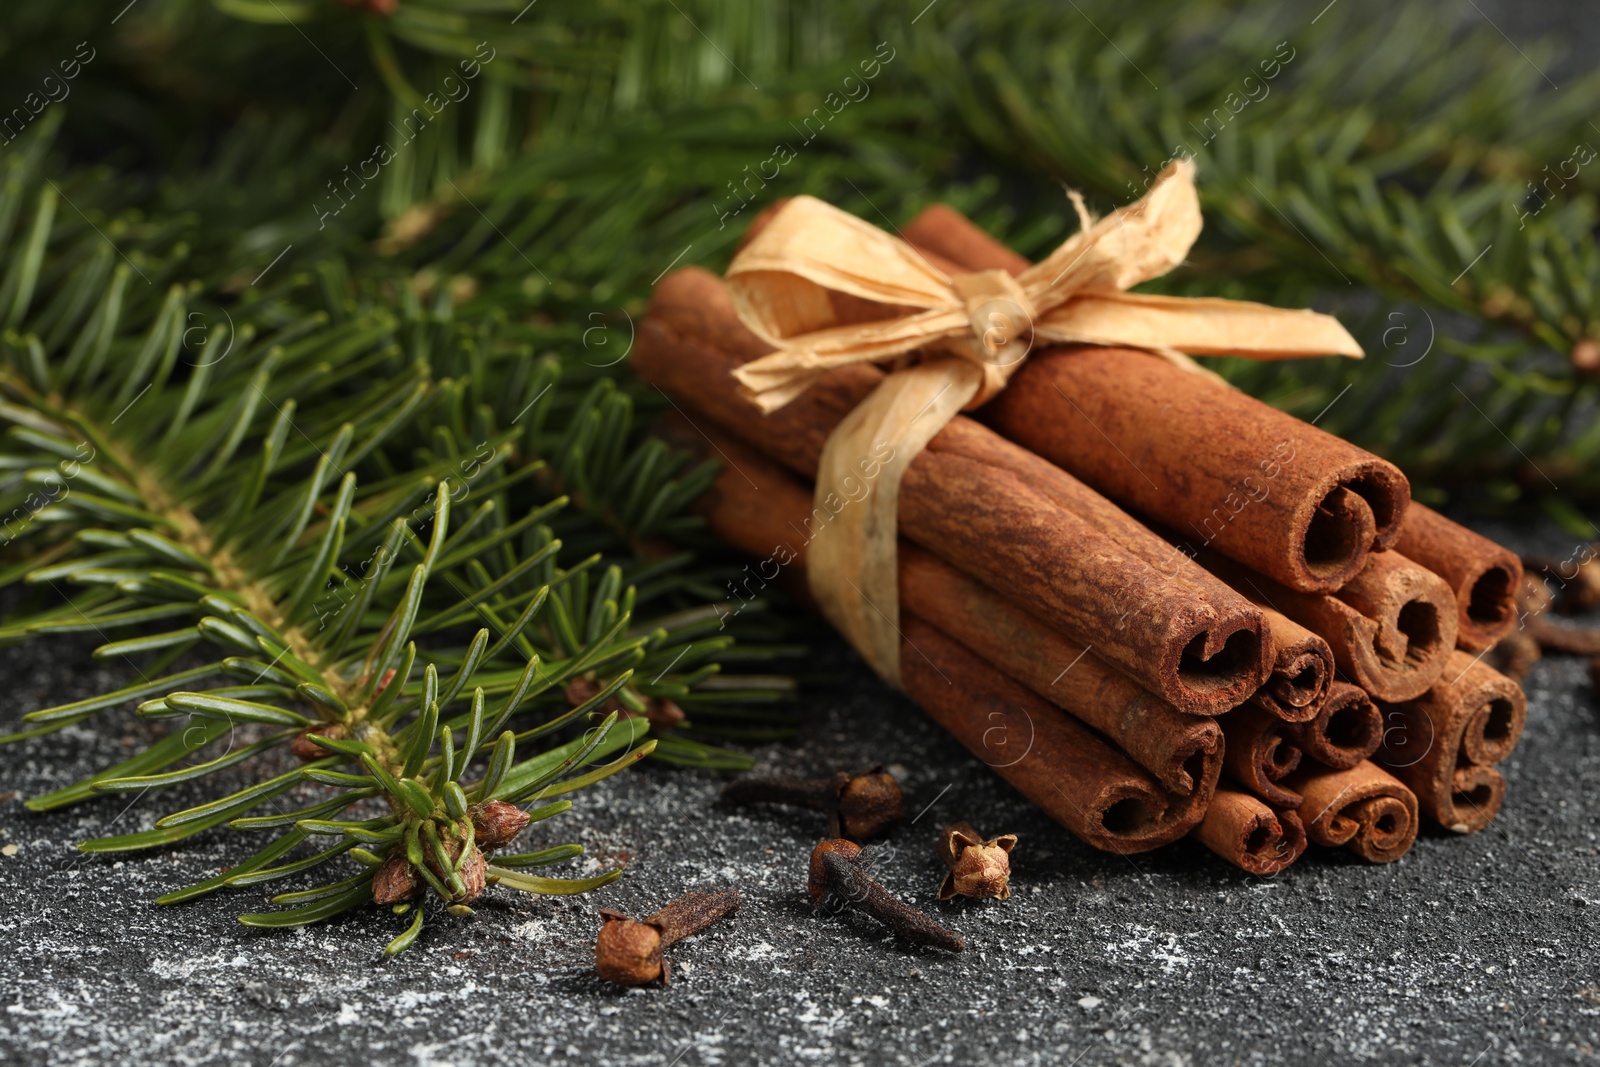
(972, 333)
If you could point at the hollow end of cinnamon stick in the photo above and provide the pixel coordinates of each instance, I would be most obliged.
(1386, 827)
(1220, 664)
(1346, 730)
(1476, 794)
(1493, 708)
(1250, 834)
(1493, 731)
(1302, 668)
(1485, 576)
(1410, 629)
(1360, 511)
(1442, 743)
(1259, 753)
(1488, 602)
(1364, 809)
(1194, 763)
(1298, 682)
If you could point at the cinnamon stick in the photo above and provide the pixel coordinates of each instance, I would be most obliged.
(1364, 808)
(1275, 493)
(1443, 743)
(1045, 754)
(1183, 751)
(1248, 833)
(1302, 669)
(1392, 627)
(987, 507)
(1260, 753)
(1484, 575)
(1347, 729)
(954, 238)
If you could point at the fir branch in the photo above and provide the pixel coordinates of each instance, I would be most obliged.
(223, 497)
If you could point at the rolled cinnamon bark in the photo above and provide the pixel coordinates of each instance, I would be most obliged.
(1442, 743)
(1392, 627)
(954, 238)
(1302, 669)
(1275, 493)
(1347, 730)
(987, 507)
(1249, 834)
(1484, 575)
(1260, 752)
(1364, 808)
(1048, 756)
(1184, 752)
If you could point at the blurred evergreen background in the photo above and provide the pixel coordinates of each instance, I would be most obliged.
(537, 166)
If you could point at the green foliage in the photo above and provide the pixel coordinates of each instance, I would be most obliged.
(1422, 180)
(321, 519)
(1419, 176)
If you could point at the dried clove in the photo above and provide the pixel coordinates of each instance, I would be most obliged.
(861, 805)
(1578, 583)
(628, 951)
(838, 872)
(978, 867)
(1536, 634)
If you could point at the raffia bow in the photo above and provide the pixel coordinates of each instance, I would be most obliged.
(971, 332)
(781, 280)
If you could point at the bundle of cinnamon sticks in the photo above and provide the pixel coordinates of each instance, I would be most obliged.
(1157, 607)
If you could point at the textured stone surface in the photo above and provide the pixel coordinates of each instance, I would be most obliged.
(1470, 950)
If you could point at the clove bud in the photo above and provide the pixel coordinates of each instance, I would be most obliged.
(862, 805)
(838, 872)
(628, 951)
(978, 868)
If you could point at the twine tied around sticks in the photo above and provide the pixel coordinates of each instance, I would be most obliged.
(958, 344)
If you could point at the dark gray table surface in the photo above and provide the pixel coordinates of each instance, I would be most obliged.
(1470, 950)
